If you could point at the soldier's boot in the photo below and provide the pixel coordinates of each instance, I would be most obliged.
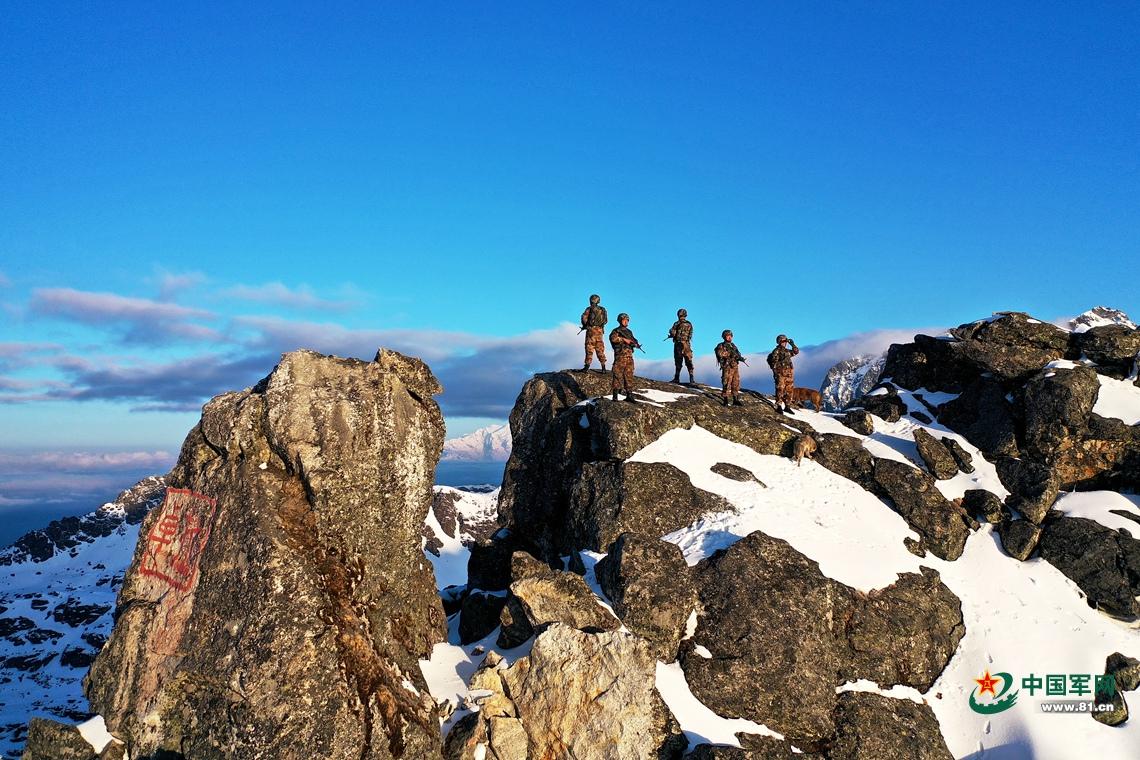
(736, 401)
(586, 367)
(724, 400)
(677, 377)
(615, 395)
(629, 397)
(691, 381)
(603, 366)
(788, 410)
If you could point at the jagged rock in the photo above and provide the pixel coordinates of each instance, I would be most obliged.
(479, 615)
(1114, 348)
(962, 458)
(984, 416)
(611, 498)
(759, 589)
(873, 727)
(514, 626)
(1033, 487)
(846, 456)
(74, 657)
(905, 633)
(1057, 406)
(114, 751)
(923, 506)
(465, 737)
(1119, 712)
(734, 472)
(489, 564)
(937, 457)
(278, 605)
(922, 417)
(886, 406)
(860, 421)
(75, 613)
(1125, 669)
(1019, 538)
(926, 363)
(1104, 563)
(561, 597)
(647, 582)
(589, 696)
(1015, 328)
(752, 747)
(52, 740)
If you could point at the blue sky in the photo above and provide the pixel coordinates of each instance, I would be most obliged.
(188, 190)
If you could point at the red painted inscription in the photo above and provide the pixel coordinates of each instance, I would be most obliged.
(175, 543)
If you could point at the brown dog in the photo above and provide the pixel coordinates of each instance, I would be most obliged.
(800, 395)
(804, 446)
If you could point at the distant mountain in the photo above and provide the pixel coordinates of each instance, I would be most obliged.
(489, 444)
(1099, 316)
(851, 378)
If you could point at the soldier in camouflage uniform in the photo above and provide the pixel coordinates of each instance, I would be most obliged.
(780, 360)
(728, 357)
(623, 342)
(594, 320)
(682, 334)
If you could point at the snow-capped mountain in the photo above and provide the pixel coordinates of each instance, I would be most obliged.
(488, 444)
(1099, 316)
(459, 517)
(850, 379)
(55, 608)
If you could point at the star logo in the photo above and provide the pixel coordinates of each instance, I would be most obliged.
(986, 684)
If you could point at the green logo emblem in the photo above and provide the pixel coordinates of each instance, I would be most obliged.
(1001, 701)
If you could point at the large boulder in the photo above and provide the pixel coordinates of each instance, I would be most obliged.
(648, 584)
(938, 459)
(1105, 563)
(52, 740)
(873, 727)
(916, 497)
(768, 611)
(1113, 348)
(589, 696)
(1057, 405)
(279, 601)
(1015, 328)
(1033, 487)
(655, 498)
(984, 416)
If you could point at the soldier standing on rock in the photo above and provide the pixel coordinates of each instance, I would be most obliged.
(594, 320)
(623, 342)
(682, 334)
(728, 357)
(780, 360)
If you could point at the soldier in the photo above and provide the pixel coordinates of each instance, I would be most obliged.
(682, 334)
(728, 357)
(780, 360)
(594, 320)
(623, 342)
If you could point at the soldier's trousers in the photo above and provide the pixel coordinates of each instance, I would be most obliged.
(682, 351)
(730, 380)
(785, 380)
(623, 373)
(594, 343)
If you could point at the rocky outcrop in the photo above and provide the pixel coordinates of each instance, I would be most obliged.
(279, 600)
(567, 487)
(848, 380)
(916, 497)
(938, 459)
(647, 582)
(872, 727)
(52, 740)
(1113, 348)
(1033, 487)
(582, 695)
(984, 416)
(760, 589)
(1103, 562)
(1019, 538)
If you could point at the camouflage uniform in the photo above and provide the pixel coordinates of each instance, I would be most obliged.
(729, 358)
(780, 360)
(682, 334)
(594, 319)
(623, 360)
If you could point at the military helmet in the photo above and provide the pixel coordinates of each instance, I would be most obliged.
(725, 333)
(595, 299)
(781, 337)
(682, 313)
(622, 316)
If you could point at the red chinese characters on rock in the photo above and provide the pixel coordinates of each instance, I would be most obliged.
(175, 543)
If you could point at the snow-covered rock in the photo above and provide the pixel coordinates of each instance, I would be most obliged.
(1099, 316)
(488, 444)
